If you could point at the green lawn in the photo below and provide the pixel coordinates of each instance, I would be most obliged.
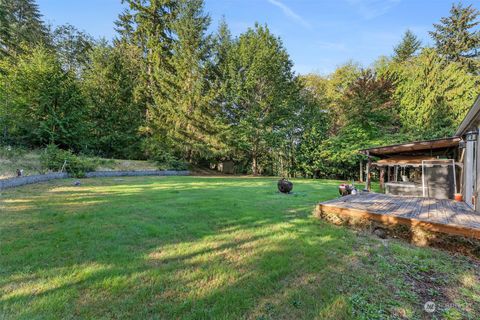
(211, 248)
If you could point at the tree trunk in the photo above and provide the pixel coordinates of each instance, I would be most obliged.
(382, 179)
(369, 176)
(361, 171)
(254, 165)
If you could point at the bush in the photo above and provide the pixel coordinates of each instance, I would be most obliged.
(166, 161)
(56, 159)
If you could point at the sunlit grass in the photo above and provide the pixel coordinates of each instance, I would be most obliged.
(210, 248)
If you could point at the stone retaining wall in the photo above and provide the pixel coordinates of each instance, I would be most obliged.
(21, 181)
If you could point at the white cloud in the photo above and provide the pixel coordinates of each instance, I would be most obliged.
(370, 9)
(290, 13)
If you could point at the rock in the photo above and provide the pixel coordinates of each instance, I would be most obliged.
(381, 233)
(284, 186)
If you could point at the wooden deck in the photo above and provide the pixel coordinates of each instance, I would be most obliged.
(444, 216)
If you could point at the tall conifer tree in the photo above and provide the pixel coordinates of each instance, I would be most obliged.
(261, 89)
(407, 47)
(456, 37)
(21, 24)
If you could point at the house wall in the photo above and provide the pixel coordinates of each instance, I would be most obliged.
(471, 171)
(476, 175)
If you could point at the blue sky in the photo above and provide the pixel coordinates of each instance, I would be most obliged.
(318, 34)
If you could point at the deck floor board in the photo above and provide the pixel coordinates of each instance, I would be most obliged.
(439, 213)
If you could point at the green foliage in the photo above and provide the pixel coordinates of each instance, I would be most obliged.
(337, 83)
(457, 38)
(157, 149)
(5, 30)
(338, 155)
(329, 147)
(369, 98)
(56, 159)
(115, 111)
(407, 47)
(21, 24)
(42, 103)
(183, 106)
(434, 94)
(167, 161)
(72, 47)
(168, 90)
(261, 93)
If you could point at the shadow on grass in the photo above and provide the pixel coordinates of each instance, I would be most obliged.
(185, 248)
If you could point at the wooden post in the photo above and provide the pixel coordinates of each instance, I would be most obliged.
(382, 179)
(361, 170)
(368, 182)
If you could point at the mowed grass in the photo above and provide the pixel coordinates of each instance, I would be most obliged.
(211, 248)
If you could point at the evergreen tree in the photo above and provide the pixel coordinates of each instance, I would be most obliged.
(186, 107)
(124, 26)
(434, 95)
(45, 104)
(148, 26)
(115, 114)
(260, 94)
(221, 50)
(21, 25)
(5, 30)
(407, 47)
(218, 75)
(456, 37)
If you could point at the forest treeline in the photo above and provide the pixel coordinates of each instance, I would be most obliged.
(168, 89)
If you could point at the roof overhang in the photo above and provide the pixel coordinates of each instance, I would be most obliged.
(470, 119)
(404, 160)
(411, 161)
(413, 146)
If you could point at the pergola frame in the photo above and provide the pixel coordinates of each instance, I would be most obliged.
(415, 148)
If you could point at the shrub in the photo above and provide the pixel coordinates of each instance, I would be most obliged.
(167, 161)
(56, 159)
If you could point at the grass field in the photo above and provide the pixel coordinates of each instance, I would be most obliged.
(211, 248)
